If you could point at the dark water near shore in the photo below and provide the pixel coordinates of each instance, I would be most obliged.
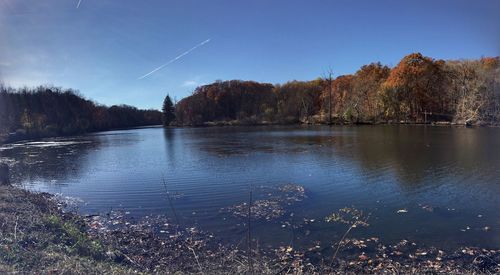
(378, 169)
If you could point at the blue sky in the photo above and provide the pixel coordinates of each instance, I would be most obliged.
(103, 47)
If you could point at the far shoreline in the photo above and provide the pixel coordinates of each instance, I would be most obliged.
(238, 123)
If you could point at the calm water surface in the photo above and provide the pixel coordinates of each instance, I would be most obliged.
(378, 169)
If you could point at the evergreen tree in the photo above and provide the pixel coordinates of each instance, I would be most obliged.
(168, 111)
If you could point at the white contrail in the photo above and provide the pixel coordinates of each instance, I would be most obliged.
(176, 58)
(78, 5)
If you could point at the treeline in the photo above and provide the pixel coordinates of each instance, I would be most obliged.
(50, 111)
(419, 89)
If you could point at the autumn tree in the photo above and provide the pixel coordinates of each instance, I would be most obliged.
(416, 83)
(235, 100)
(343, 102)
(418, 88)
(366, 86)
(298, 100)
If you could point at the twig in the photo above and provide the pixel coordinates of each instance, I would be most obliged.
(283, 269)
(196, 258)
(354, 225)
(291, 244)
(170, 202)
(178, 224)
(292, 229)
(129, 259)
(241, 263)
(341, 240)
(233, 255)
(15, 229)
(250, 263)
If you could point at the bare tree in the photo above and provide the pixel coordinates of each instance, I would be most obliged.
(329, 80)
(473, 89)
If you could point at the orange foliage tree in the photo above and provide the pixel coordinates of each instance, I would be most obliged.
(366, 86)
(416, 84)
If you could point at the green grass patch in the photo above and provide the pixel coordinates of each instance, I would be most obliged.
(74, 237)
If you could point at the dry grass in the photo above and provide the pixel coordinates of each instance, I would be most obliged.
(36, 237)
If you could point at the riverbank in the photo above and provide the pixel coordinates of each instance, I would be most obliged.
(337, 121)
(236, 123)
(7, 140)
(38, 236)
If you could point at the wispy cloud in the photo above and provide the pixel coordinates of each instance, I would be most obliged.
(78, 5)
(190, 83)
(175, 59)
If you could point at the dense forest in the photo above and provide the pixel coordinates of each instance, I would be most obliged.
(50, 111)
(417, 90)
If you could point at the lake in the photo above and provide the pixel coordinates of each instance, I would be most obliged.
(435, 186)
